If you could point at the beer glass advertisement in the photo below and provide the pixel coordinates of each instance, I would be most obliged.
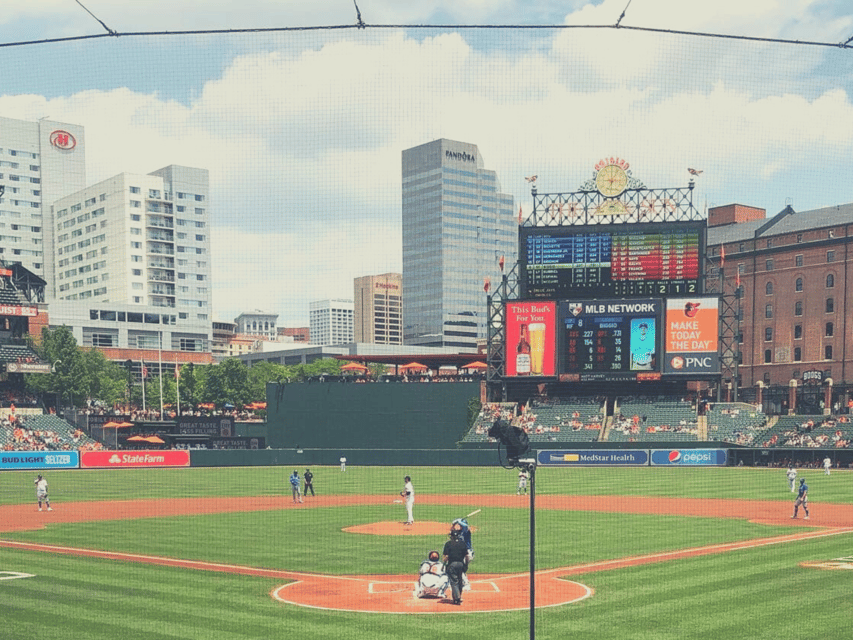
(530, 342)
(692, 336)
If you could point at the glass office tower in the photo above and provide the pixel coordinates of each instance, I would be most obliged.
(456, 226)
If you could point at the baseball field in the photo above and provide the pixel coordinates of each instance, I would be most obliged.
(620, 553)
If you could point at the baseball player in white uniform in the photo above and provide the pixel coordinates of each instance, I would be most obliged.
(41, 493)
(522, 482)
(792, 479)
(408, 493)
(827, 465)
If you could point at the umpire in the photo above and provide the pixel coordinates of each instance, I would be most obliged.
(454, 553)
(309, 482)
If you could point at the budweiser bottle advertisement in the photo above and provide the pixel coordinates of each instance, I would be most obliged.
(522, 353)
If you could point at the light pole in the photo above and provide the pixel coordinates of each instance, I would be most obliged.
(59, 385)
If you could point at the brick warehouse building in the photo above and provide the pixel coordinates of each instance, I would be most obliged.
(794, 301)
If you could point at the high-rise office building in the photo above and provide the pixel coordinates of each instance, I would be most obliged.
(40, 162)
(140, 239)
(456, 227)
(378, 314)
(330, 321)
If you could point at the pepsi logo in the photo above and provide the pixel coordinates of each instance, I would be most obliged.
(674, 456)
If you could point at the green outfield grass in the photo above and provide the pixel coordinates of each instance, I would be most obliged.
(755, 593)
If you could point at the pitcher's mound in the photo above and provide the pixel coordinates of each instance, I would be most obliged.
(399, 529)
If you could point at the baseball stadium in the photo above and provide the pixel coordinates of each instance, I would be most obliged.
(614, 461)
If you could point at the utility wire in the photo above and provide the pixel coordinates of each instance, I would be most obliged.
(459, 27)
(623, 13)
(109, 31)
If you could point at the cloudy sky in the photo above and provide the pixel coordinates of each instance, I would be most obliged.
(302, 131)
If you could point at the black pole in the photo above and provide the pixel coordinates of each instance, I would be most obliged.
(531, 468)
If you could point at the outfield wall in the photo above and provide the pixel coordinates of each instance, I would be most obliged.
(393, 415)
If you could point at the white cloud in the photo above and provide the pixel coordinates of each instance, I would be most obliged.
(303, 142)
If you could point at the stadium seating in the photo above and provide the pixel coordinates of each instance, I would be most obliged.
(809, 431)
(735, 422)
(565, 420)
(57, 434)
(654, 419)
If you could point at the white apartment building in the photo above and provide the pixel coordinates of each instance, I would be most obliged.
(258, 323)
(40, 162)
(138, 239)
(331, 321)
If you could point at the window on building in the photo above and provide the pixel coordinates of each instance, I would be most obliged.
(798, 332)
(830, 256)
(827, 352)
(768, 265)
(798, 284)
(798, 260)
(799, 237)
(134, 190)
(768, 334)
(741, 268)
(830, 329)
(768, 356)
(830, 281)
(798, 354)
(769, 242)
(798, 308)
(768, 288)
(830, 305)
(768, 311)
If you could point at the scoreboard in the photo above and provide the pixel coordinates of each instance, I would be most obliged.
(609, 339)
(612, 261)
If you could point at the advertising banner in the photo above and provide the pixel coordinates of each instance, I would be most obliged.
(39, 460)
(609, 339)
(240, 442)
(689, 457)
(620, 457)
(692, 336)
(530, 338)
(221, 426)
(134, 459)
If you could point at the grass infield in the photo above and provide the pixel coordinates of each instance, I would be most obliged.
(751, 593)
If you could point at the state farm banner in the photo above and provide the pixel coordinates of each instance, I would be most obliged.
(134, 459)
(692, 336)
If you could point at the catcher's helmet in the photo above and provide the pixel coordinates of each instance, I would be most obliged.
(433, 556)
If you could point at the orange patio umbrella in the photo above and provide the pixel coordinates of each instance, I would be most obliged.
(136, 439)
(476, 365)
(116, 425)
(414, 365)
(354, 366)
(153, 440)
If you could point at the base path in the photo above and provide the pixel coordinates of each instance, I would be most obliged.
(393, 594)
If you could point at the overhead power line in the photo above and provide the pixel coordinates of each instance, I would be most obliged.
(460, 27)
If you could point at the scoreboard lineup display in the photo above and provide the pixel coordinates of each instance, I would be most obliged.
(609, 340)
(612, 261)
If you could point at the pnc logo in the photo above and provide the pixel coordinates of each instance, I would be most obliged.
(674, 456)
(677, 362)
(63, 140)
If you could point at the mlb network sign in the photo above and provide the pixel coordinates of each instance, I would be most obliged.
(134, 459)
(689, 457)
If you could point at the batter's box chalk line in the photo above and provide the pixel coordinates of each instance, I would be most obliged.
(485, 586)
(12, 575)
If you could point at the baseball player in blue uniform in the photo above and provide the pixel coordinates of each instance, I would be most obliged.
(802, 499)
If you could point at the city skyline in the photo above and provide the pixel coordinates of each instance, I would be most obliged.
(302, 132)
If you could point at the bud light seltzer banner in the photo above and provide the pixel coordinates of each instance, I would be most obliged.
(39, 459)
(692, 336)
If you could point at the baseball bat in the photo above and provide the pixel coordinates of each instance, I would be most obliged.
(473, 513)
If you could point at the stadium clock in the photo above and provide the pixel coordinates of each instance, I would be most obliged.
(611, 180)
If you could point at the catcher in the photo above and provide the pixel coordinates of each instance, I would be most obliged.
(432, 580)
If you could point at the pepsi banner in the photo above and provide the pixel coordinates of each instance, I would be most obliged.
(39, 460)
(621, 457)
(689, 457)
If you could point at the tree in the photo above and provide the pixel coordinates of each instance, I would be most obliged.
(227, 383)
(68, 370)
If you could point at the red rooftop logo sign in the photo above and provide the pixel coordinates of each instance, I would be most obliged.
(63, 140)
